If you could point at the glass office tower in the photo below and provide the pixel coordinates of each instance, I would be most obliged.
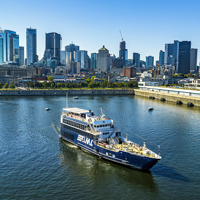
(93, 60)
(31, 45)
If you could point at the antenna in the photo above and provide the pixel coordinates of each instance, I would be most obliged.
(121, 35)
(102, 114)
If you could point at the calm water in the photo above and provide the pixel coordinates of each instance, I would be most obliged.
(36, 164)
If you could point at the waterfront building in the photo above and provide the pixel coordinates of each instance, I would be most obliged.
(70, 53)
(31, 45)
(161, 57)
(123, 52)
(149, 61)
(136, 59)
(184, 57)
(62, 57)
(103, 59)
(82, 57)
(193, 59)
(21, 56)
(93, 63)
(53, 44)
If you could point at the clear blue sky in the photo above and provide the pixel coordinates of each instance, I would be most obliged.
(146, 25)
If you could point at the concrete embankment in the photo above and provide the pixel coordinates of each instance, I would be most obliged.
(179, 99)
(63, 92)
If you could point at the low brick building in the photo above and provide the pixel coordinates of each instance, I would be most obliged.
(129, 72)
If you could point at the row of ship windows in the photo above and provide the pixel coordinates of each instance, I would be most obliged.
(78, 131)
(83, 127)
(103, 125)
(67, 135)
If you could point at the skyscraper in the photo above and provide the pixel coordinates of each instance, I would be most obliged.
(136, 59)
(176, 54)
(62, 57)
(123, 52)
(169, 54)
(70, 53)
(1, 50)
(93, 63)
(161, 57)
(10, 46)
(21, 55)
(103, 59)
(31, 45)
(53, 44)
(149, 61)
(81, 56)
(184, 57)
(193, 59)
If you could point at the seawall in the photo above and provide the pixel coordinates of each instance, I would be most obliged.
(177, 98)
(63, 92)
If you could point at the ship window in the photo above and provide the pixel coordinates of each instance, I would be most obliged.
(106, 133)
(97, 126)
(94, 126)
(100, 125)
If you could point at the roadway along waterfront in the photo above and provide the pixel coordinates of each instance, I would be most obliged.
(36, 164)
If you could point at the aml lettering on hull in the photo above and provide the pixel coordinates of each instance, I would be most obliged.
(85, 140)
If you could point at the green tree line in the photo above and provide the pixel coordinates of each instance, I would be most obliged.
(6, 85)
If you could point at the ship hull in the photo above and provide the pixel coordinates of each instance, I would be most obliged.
(127, 159)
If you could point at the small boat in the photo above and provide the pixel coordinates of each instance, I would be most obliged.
(150, 108)
(76, 97)
(47, 109)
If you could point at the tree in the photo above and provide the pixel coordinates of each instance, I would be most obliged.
(1, 85)
(88, 80)
(50, 78)
(12, 86)
(120, 85)
(6, 85)
(92, 79)
(114, 85)
(109, 85)
(58, 85)
(52, 85)
(104, 84)
(98, 85)
(45, 85)
(91, 85)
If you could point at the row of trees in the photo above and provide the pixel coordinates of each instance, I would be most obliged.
(6, 85)
(190, 75)
(86, 84)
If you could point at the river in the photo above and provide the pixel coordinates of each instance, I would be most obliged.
(36, 164)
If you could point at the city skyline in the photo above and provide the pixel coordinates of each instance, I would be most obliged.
(155, 26)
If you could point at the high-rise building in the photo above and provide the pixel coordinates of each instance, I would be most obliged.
(93, 62)
(136, 59)
(1, 50)
(70, 53)
(53, 44)
(62, 57)
(161, 57)
(184, 57)
(31, 45)
(103, 59)
(81, 56)
(10, 46)
(149, 61)
(21, 55)
(176, 54)
(123, 52)
(169, 52)
(193, 59)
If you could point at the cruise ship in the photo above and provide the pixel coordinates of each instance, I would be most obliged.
(99, 136)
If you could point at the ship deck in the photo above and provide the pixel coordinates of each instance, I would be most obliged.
(135, 149)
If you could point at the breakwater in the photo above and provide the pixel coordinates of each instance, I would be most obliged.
(177, 98)
(63, 92)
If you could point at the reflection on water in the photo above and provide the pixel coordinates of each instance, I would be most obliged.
(84, 164)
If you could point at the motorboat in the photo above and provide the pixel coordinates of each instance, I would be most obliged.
(150, 108)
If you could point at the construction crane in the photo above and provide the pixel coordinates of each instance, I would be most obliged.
(121, 35)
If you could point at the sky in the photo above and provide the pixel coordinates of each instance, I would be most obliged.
(146, 25)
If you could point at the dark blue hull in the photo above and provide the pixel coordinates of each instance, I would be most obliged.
(121, 157)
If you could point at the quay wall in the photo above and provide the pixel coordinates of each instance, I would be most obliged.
(63, 92)
(168, 97)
